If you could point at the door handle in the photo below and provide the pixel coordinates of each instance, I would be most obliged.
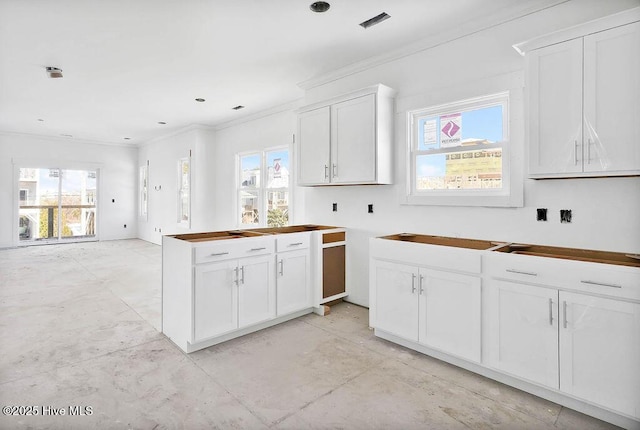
(575, 152)
(564, 311)
(601, 284)
(237, 277)
(295, 244)
(326, 171)
(420, 284)
(242, 279)
(413, 283)
(281, 267)
(217, 254)
(334, 172)
(257, 249)
(550, 311)
(521, 272)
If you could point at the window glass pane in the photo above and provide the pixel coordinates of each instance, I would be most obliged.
(278, 169)
(144, 190)
(466, 128)
(277, 208)
(250, 171)
(249, 208)
(184, 192)
(468, 170)
(78, 203)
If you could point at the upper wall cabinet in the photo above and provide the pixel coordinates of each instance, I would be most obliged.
(347, 140)
(584, 102)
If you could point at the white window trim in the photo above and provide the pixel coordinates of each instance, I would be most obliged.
(143, 209)
(510, 195)
(262, 190)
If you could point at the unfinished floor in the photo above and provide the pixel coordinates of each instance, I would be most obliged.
(79, 326)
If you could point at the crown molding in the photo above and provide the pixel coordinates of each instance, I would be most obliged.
(67, 139)
(290, 106)
(181, 130)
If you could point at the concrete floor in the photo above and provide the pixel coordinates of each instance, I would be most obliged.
(79, 327)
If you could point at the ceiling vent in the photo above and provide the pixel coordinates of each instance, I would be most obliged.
(375, 20)
(238, 107)
(54, 72)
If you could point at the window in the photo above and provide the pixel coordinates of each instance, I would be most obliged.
(144, 191)
(184, 192)
(459, 153)
(264, 188)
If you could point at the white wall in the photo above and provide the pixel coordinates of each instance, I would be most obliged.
(117, 173)
(605, 211)
(163, 155)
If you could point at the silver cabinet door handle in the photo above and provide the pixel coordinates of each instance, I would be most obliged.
(281, 267)
(421, 287)
(335, 171)
(550, 311)
(575, 152)
(326, 171)
(564, 311)
(601, 284)
(413, 283)
(295, 244)
(217, 254)
(257, 249)
(242, 279)
(236, 281)
(521, 272)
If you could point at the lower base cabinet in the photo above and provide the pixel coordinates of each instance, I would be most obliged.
(293, 281)
(233, 294)
(582, 345)
(438, 309)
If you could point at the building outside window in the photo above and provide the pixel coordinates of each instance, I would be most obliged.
(459, 150)
(263, 188)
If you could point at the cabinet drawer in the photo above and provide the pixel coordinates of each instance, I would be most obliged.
(579, 276)
(233, 248)
(292, 241)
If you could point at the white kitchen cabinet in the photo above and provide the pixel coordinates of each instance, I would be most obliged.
(396, 298)
(450, 312)
(523, 331)
(293, 281)
(215, 299)
(600, 351)
(584, 105)
(347, 140)
(256, 290)
(232, 294)
(314, 136)
(436, 308)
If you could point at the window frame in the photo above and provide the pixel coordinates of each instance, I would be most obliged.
(179, 213)
(262, 190)
(502, 197)
(143, 191)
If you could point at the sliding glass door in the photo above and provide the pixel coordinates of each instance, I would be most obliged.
(57, 204)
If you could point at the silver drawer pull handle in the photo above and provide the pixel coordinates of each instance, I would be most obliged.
(218, 254)
(295, 244)
(521, 273)
(601, 284)
(257, 249)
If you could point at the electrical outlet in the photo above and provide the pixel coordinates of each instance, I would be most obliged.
(335, 207)
(125, 226)
(565, 215)
(541, 214)
(113, 200)
(370, 209)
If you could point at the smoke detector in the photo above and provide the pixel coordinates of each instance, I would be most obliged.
(54, 72)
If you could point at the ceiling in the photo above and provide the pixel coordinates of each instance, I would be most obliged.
(130, 64)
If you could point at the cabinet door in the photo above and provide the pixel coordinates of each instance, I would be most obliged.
(555, 108)
(612, 99)
(314, 134)
(450, 313)
(396, 299)
(600, 351)
(215, 300)
(353, 141)
(293, 281)
(256, 290)
(523, 331)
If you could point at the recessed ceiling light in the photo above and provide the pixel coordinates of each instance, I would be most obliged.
(40, 119)
(54, 72)
(127, 138)
(200, 100)
(319, 6)
(375, 20)
(162, 122)
(238, 107)
(66, 135)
